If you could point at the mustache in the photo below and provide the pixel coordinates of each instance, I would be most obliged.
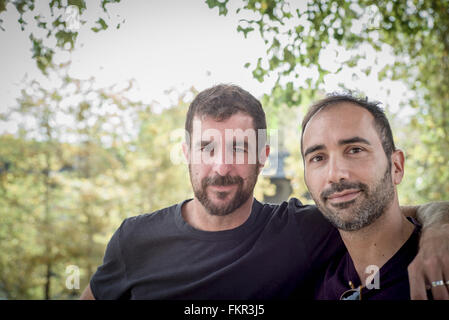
(341, 186)
(222, 180)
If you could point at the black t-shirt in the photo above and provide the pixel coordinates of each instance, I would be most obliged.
(277, 253)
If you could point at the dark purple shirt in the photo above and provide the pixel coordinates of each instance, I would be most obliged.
(393, 275)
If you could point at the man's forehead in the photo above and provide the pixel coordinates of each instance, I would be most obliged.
(230, 132)
(236, 123)
(339, 121)
(342, 111)
(239, 115)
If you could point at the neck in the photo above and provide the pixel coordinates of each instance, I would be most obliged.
(377, 243)
(198, 217)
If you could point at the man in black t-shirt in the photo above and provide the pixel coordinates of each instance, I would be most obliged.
(351, 169)
(161, 256)
(222, 244)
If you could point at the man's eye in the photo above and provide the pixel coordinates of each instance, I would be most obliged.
(208, 148)
(355, 150)
(316, 158)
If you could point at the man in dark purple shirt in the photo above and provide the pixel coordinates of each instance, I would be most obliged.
(341, 280)
(352, 168)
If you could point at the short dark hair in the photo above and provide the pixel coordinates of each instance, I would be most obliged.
(222, 101)
(381, 123)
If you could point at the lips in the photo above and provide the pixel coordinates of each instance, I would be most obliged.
(344, 196)
(223, 188)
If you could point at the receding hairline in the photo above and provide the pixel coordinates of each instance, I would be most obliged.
(203, 115)
(332, 105)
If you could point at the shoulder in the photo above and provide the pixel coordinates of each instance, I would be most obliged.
(305, 212)
(157, 215)
(148, 223)
(295, 206)
(310, 219)
(293, 212)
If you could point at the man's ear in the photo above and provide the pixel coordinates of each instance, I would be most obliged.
(263, 156)
(186, 151)
(397, 166)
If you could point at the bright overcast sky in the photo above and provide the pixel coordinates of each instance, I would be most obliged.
(162, 44)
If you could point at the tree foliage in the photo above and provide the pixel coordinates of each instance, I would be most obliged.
(58, 29)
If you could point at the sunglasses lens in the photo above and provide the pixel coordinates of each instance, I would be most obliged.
(353, 294)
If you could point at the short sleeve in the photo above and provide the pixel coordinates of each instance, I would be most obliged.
(109, 282)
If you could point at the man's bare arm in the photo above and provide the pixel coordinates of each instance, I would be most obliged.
(431, 264)
(434, 213)
(428, 214)
(87, 294)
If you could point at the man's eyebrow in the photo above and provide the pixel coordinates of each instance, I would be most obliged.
(340, 142)
(353, 140)
(313, 149)
(203, 143)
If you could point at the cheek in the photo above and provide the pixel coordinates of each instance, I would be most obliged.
(246, 170)
(314, 181)
(198, 171)
(370, 173)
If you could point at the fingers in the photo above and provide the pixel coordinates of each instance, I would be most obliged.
(417, 282)
(446, 275)
(431, 264)
(436, 272)
(446, 278)
(440, 292)
(424, 273)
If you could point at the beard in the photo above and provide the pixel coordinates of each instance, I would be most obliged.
(376, 199)
(242, 194)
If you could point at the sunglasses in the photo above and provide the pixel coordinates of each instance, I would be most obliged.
(352, 294)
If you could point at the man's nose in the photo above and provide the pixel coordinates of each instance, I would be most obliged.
(222, 165)
(338, 170)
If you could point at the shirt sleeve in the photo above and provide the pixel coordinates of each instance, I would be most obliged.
(109, 282)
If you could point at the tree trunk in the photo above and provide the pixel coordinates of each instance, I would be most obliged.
(48, 282)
